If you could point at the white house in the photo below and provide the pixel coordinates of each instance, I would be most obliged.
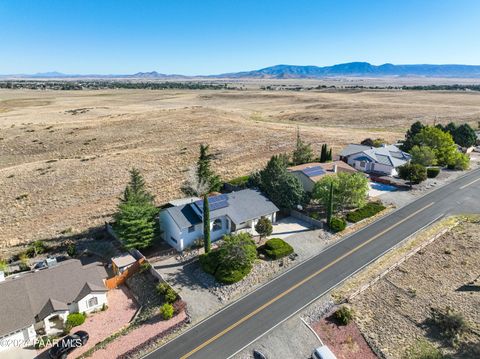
(376, 160)
(37, 303)
(182, 225)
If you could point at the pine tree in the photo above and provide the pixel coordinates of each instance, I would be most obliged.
(206, 225)
(323, 154)
(204, 172)
(135, 220)
(303, 151)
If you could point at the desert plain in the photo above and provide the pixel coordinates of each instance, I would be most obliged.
(65, 155)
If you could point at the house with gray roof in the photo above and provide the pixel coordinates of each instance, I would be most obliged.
(38, 302)
(182, 225)
(375, 160)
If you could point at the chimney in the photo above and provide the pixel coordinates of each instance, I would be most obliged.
(334, 168)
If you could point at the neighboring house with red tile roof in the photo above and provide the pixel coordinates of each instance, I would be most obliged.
(39, 302)
(310, 173)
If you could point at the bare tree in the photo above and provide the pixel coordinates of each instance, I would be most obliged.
(193, 185)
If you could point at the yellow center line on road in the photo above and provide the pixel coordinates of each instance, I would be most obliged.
(468, 184)
(303, 281)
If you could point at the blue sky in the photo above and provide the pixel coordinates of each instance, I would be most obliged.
(209, 37)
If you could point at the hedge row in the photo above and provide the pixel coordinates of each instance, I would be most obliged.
(277, 248)
(366, 211)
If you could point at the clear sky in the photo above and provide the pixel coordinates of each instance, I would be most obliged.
(208, 37)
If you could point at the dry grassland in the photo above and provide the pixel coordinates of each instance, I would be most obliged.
(65, 155)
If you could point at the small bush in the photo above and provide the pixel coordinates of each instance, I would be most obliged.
(209, 262)
(451, 324)
(36, 248)
(240, 181)
(231, 276)
(344, 315)
(168, 292)
(422, 349)
(171, 296)
(162, 288)
(75, 319)
(145, 266)
(366, 211)
(433, 172)
(104, 307)
(276, 248)
(166, 311)
(337, 224)
(71, 250)
(315, 215)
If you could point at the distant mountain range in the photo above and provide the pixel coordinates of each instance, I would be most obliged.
(351, 69)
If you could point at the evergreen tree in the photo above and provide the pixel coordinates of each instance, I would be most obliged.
(135, 220)
(330, 205)
(465, 135)
(303, 151)
(409, 136)
(323, 153)
(283, 188)
(204, 172)
(206, 225)
(329, 155)
(264, 227)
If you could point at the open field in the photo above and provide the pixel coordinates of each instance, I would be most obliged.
(65, 155)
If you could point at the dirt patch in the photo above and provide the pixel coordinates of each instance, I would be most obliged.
(394, 313)
(345, 341)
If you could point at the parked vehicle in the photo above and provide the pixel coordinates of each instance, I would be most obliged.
(258, 355)
(68, 344)
(323, 352)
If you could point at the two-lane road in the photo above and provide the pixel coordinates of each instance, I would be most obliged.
(234, 327)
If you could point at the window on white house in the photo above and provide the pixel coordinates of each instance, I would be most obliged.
(362, 164)
(92, 302)
(191, 229)
(217, 225)
(173, 239)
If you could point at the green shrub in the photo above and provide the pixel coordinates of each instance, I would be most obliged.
(433, 172)
(240, 181)
(36, 248)
(422, 349)
(145, 266)
(366, 211)
(209, 262)
(276, 248)
(344, 315)
(337, 224)
(170, 295)
(166, 311)
(167, 291)
(71, 250)
(75, 319)
(230, 276)
(233, 260)
(315, 215)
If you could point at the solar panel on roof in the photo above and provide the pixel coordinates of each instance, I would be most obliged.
(314, 171)
(216, 202)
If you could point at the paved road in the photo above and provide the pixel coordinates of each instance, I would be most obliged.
(237, 325)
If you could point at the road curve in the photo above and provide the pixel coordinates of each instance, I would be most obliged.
(239, 324)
